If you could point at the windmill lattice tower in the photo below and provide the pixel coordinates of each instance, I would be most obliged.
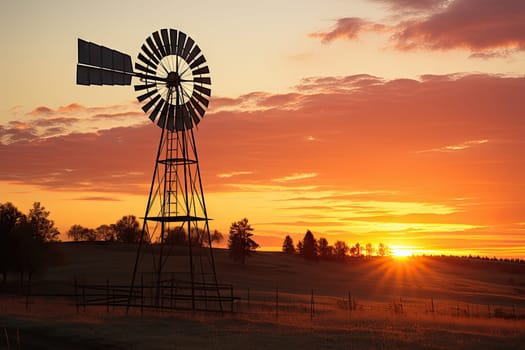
(174, 91)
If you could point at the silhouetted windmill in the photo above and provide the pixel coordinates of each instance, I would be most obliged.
(174, 90)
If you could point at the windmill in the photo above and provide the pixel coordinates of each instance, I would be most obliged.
(173, 89)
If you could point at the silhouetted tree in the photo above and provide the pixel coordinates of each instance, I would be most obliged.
(215, 237)
(240, 243)
(326, 251)
(176, 236)
(106, 233)
(44, 227)
(300, 247)
(340, 250)
(9, 217)
(80, 233)
(31, 253)
(309, 250)
(369, 249)
(383, 249)
(356, 250)
(288, 246)
(127, 229)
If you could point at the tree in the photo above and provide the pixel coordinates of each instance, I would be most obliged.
(288, 246)
(106, 233)
(127, 229)
(340, 250)
(176, 236)
(44, 227)
(309, 244)
(80, 233)
(356, 250)
(215, 237)
(326, 251)
(383, 249)
(369, 249)
(240, 243)
(9, 217)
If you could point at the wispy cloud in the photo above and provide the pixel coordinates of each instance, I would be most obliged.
(457, 147)
(233, 173)
(295, 177)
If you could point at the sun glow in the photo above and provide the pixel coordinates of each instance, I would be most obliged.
(401, 252)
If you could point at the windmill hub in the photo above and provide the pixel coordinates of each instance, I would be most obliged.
(173, 79)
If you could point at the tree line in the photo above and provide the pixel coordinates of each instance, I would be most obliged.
(312, 249)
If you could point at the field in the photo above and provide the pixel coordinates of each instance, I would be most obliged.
(285, 302)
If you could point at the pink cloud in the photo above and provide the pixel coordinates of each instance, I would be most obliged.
(469, 24)
(488, 28)
(347, 28)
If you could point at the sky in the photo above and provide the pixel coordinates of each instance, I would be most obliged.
(394, 121)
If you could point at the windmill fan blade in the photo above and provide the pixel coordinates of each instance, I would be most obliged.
(197, 107)
(180, 43)
(186, 118)
(196, 50)
(160, 45)
(147, 61)
(202, 89)
(166, 41)
(156, 110)
(203, 100)
(203, 80)
(150, 103)
(146, 95)
(163, 115)
(154, 48)
(149, 54)
(171, 118)
(187, 47)
(145, 86)
(143, 69)
(194, 116)
(200, 60)
(179, 123)
(173, 41)
(201, 70)
(82, 75)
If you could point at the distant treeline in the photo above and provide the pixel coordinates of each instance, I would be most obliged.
(313, 249)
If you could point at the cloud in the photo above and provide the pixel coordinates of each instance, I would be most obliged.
(347, 28)
(233, 173)
(486, 28)
(97, 199)
(457, 147)
(475, 25)
(44, 121)
(372, 131)
(402, 5)
(295, 177)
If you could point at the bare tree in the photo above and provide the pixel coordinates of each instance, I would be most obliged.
(341, 250)
(369, 249)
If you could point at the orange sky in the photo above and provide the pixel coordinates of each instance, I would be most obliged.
(428, 159)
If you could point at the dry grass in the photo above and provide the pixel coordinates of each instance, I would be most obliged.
(375, 286)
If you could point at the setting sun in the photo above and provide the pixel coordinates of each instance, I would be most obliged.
(401, 252)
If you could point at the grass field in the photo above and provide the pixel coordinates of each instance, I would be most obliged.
(412, 303)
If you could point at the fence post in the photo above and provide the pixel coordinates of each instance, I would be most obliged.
(312, 309)
(432, 303)
(276, 303)
(249, 303)
(142, 294)
(76, 294)
(107, 295)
